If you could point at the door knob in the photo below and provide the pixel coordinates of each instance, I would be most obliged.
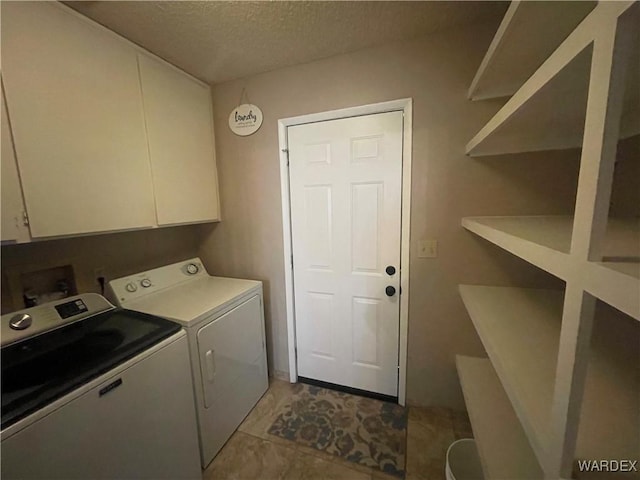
(390, 291)
(390, 270)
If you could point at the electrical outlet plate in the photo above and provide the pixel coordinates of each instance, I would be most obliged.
(427, 249)
(99, 272)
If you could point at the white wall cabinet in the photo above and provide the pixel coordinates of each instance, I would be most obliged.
(90, 158)
(76, 110)
(178, 114)
(13, 211)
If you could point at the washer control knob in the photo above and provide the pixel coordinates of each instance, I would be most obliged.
(131, 287)
(20, 321)
(192, 269)
(145, 282)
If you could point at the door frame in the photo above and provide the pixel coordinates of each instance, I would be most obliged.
(404, 105)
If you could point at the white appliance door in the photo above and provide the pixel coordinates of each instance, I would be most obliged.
(233, 369)
(346, 181)
(138, 424)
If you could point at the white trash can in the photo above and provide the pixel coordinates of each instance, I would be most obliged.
(463, 462)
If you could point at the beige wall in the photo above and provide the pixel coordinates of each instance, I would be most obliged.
(436, 72)
(119, 254)
(625, 195)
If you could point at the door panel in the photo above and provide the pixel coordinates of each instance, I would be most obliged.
(366, 331)
(318, 228)
(345, 181)
(321, 311)
(366, 200)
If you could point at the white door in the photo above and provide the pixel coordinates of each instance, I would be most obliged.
(345, 181)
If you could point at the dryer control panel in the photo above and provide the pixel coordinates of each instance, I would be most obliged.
(144, 283)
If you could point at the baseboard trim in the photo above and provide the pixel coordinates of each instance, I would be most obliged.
(280, 375)
(351, 390)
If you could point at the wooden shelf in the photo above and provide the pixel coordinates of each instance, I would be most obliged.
(517, 234)
(630, 269)
(545, 241)
(548, 112)
(502, 444)
(520, 330)
(506, 65)
(615, 283)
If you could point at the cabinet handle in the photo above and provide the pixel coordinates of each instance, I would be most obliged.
(111, 386)
(211, 365)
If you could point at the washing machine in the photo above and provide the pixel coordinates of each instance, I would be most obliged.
(93, 391)
(224, 320)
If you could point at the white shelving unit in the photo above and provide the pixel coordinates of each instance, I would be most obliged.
(532, 121)
(520, 329)
(502, 444)
(564, 368)
(506, 67)
(545, 241)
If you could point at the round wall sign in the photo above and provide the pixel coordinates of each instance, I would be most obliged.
(245, 119)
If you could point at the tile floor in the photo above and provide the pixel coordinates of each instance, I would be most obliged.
(252, 454)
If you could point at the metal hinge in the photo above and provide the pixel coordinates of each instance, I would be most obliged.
(25, 218)
(286, 150)
(291, 260)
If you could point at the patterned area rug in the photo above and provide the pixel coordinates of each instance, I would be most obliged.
(360, 430)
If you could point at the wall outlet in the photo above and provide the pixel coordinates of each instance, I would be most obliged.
(99, 272)
(427, 248)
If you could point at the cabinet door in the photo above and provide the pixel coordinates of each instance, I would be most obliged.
(13, 228)
(74, 100)
(181, 145)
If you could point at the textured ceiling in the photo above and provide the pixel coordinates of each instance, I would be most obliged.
(218, 41)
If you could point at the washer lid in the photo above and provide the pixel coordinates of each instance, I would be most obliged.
(41, 369)
(190, 302)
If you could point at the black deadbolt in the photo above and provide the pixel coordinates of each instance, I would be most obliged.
(390, 270)
(390, 291)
